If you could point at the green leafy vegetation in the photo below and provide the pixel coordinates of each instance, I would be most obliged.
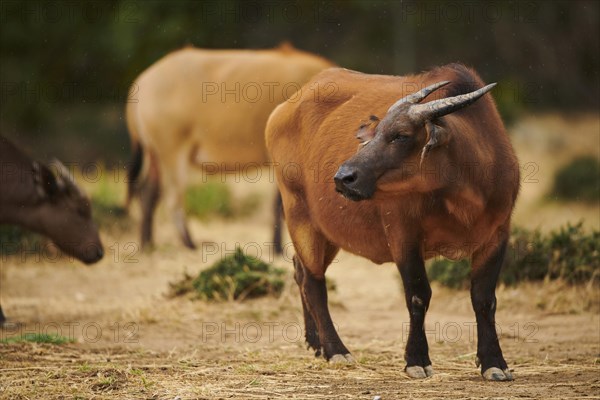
(450, 273)
(216, 199)
(569, 254)
(209, 198)
(106, 201)
(235, 277)
(14, 239)
(38, 338)
(578, 180)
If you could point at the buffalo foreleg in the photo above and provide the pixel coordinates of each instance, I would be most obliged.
(314, 293)
(486, 268)
(418, 294)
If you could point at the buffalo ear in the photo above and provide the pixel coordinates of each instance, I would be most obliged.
(366, 131)
(437, 135)
(44, 180)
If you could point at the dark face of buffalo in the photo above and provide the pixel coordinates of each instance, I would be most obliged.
(64, 214)
(393, 148)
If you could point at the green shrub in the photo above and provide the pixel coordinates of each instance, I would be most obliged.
(106, 204)
(575, 256)
(38, 338)
(14, 239)
(454, 274)
(568, 254)
(209, 198)
(510, 105)
(236, 277)
(578, 180)
(527, 257)
(215, 198)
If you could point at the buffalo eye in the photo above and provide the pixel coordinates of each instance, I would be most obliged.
(400, 138)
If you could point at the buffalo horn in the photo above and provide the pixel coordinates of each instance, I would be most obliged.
(65, 176)
(441, 107)
(418, 96)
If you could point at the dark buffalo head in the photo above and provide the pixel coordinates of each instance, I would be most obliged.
(63, 213)
(405, 135)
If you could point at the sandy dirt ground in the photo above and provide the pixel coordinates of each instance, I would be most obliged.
(131, 341)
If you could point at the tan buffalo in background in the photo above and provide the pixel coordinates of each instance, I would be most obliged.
(206, 108)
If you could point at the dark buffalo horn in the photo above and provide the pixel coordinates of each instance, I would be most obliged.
(418, 96)
(441, 107)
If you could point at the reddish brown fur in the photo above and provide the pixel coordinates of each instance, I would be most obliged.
(419, 187)
(468, 215)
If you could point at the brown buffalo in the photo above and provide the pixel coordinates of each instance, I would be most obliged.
(429, 178)
(206, 108)
(47, 201)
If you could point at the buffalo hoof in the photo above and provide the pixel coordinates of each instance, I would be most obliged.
(342, 359)
(496, 374)
(418, 372)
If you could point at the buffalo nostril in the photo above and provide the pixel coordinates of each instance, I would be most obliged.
(345, 177)
(350, 178)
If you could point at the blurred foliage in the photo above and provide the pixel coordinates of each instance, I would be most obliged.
(209, 198)
(527, 258)
(568, 254)
(107, 210)
(235, 277)
(16, 240)
(215, 198)
(66, 65)
(579, 180)
(37, 338)
(454, 274)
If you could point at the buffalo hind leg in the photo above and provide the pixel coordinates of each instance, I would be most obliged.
(149, 197)
(310, 326)
(133, 171)
(2, 317)
(277, 224)
(417, 295)
(176, 175)
(486, 268)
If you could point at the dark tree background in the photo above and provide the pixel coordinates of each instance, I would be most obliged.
(65, 66)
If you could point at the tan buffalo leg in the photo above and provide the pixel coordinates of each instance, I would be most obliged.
(149, 196)
(313, 255)
(175, 180)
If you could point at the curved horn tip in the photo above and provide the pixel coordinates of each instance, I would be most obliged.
(489, 87)
(66, 176)
(441, 107)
